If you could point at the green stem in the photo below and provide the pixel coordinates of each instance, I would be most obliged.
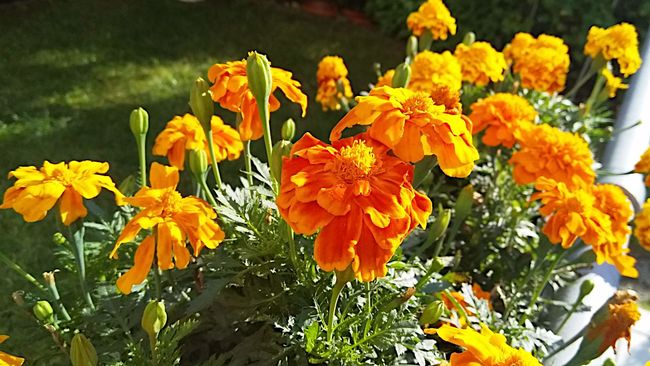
(573, 309)
(564, 345)
(265, 117)
(247, 162)
(595, 93)
(458, 306)
(435, 267)
(154, 352)
(540, 286)
(16, 268)
(293, 253)
(580, 83)
(336, 292)
(54, 292)
(77, 240)
(208, 193)
(215, 165)
(142, 157)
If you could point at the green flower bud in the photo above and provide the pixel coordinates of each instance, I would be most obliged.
(43, 312)
(425, 40)
(82, 352)
(469, 38)
(422, 170)
(585, 288)
(288, 129)
(154, 318)
(412, 47)
(441, 224)
(432, 313)
(198, 163)
(402, 75)
(281, 149)
(201, 103)
(464, 202)
(260, 81)
(609, 362)
(139, 122)
(59, 239)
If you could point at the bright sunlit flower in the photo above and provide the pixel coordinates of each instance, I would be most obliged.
(430, 69)
(613, 83)
(502, 116)
(479, 293)
(174, 218)
(231, 91)
(433, 16)
(185, 133)
(485, 348)
(386, 79)
(549, 152)
(36, 191)
(642, 226)
(359, 197)
(333, 83)
(643, 166)
(542, 62)
(619, 42)
(7, 359)
(480, 63)
(413, 127)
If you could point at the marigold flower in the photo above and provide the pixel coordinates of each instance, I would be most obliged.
(434, 16)
(642, 226)
(333, 83)
(479, 293)
(643, 166)
(430, 69)
(502, 115)
(36, 191)
(174, 218)
(549, 152)
(386, 79)
(186, 133)
(413, 126)
(619, 42)
(480, 63)
(485, 348)
(7, 359)
(359, 197)
(542, 62)
(230, 90)
(613, 83)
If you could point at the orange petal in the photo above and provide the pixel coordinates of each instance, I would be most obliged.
(162, 176)
(142, 264)
(334, 246)
(71, 207)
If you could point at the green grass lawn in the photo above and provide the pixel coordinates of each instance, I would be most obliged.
(72, 70)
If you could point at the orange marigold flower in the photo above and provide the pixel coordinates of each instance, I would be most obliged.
(619, 42)
(36, 191)
(7, 359)
(430, 69)
(359, 197)
(186, 133)
(433, 16)
(333, 83)
(642, 226)
(231, 91)
(174, 218)
(480, 63)
(542, 62)
(502, 115)
(613, 83)
(479, 293)
(485, 348)
(549, 152)
(413, 126)
(643, 166)
(386, 79)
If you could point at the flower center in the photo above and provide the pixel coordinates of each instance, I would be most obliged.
(419, 102)
(355, 161)
(170, 203)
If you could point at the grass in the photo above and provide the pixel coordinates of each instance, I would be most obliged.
(74, 69)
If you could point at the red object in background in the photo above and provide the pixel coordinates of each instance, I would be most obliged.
(357, 17)
(320, 7)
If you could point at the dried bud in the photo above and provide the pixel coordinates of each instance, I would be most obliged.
(260, 81)
(402, 76)
(281, 149)
(432, 312)
(154, 318)
(198, 164)
(201, 103)
(18, 297)
(43, 312)
(139, 122)
(82, 352)
(288, 129)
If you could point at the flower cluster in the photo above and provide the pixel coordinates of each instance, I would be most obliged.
(503, 116)
(434, 17)
(480, 63)
(333, 84)
(619, 42)
(430, 69)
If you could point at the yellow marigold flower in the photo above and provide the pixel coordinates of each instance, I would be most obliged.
(613, 83)
(430, 69)
(434, 16)
(485, 348)
(36, 191)
(542, 62)
(501, 115)
(386, 79)
(619, 42)
(643, 166)
(480, 63)
(231, 91)
(174, 218)
(185, 133)
(642, 226)
(333, 83)
(412, 126)
(552, 153)
(359, 197)
(7, 359)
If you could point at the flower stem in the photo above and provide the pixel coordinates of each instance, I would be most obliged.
(336, 292)
(208, 193)
(268, 141)
(76, 237)
(247, 162)
(458, 306)
(142, 158)
(215, 165)
(54, 292)
(16, 268)
(540, 286)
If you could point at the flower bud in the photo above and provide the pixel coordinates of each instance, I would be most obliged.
(469, 38)
(432, 312)
(377, 69)
(43, 312)
(412, 47)
(82, 352)
(464, 202)
(422, 169)
(402, 76)
(154, 318)
(281, 149)
(585, 288)
(609, 362)
(59, 239)
(260, 81)
(139, 122)
(288, 129)
(201, 103)
(441, 224)
(198, 163)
